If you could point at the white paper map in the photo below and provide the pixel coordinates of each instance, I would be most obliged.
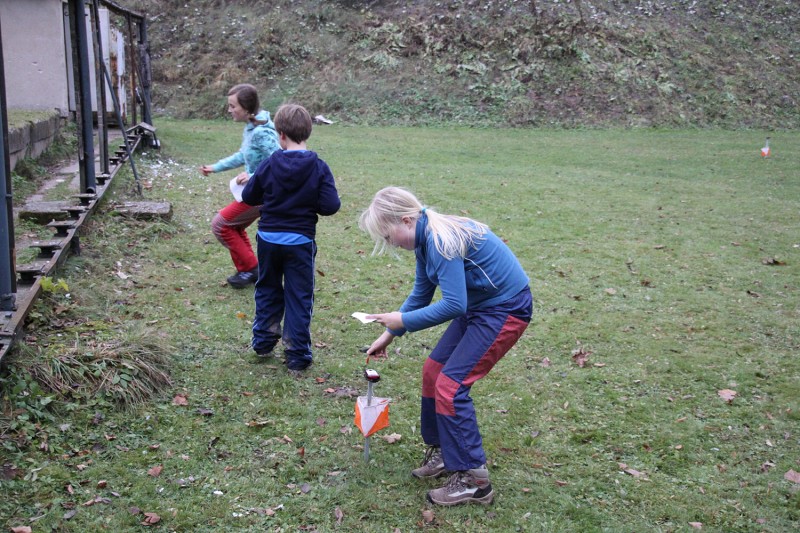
(362, 317)
(236, 190)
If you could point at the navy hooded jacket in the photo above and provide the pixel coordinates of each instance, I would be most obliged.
(293, 187)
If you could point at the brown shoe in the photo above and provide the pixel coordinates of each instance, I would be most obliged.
(470, 486)
(432, 465)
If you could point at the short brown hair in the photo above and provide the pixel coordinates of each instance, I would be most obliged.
(294, 121)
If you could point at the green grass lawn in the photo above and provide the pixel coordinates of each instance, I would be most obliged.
(672, 256)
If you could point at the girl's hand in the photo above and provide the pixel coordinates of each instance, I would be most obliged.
(205, 170)
(378, 347)
(242, 178)
(393, 320)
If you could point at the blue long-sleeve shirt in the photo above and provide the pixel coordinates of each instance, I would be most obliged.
(488, 275)
(258, 143)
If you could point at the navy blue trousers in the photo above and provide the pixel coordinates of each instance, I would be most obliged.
(468, 350)
(285, 292)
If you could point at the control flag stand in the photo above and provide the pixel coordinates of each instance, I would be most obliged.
(372, 413)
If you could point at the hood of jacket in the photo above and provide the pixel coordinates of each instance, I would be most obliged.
(292, 169)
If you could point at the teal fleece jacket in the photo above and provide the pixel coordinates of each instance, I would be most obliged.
(488, 275)
(258, 143)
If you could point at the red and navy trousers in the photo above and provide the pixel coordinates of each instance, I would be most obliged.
(470, 347)
(229, 226)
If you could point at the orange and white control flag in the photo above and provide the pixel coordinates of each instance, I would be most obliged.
(373, 417)
(765, 151)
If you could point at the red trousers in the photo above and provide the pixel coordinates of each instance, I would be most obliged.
(230, 228)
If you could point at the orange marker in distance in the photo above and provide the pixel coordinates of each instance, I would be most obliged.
(765, 151)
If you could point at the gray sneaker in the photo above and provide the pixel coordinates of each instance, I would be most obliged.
(432, 465)
(470, 486)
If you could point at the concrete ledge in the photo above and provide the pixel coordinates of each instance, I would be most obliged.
(44, 212)
(145, 210)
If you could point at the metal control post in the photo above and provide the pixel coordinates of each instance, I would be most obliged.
(372, 378)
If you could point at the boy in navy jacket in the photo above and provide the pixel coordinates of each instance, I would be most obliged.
(294, 186)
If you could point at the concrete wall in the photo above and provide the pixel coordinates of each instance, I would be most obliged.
(34, 137)
(34, 54)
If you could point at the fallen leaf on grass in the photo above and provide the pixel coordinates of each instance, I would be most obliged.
(580, 355)
(155, 471)
(773, 261)
(150, 519)
(338, 514)
(428, 516)
(96, 499)
(696, 525)
(792, 476)
(341, 391)
(180, 399)
(21, 529)
(391, 439)
(241, 315)
(545, 362)
(632, 472)
(611, 291)
(727, 394)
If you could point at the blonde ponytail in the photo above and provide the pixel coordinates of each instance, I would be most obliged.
(453, 235)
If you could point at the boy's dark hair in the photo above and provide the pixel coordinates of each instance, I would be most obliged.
(294, 121)
(247, 95)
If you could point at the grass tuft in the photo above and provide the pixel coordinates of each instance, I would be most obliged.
(128, 372)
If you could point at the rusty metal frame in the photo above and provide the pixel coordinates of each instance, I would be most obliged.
(20, 285)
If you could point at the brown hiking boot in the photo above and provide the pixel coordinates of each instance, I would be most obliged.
(432, 465)
(470, 486)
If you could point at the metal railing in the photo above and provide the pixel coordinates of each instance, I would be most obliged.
(20, 285)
